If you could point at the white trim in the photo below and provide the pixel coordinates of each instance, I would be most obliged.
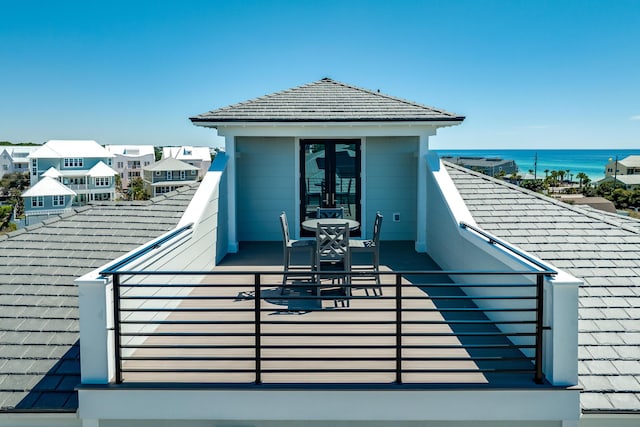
(421, 196)
(315, 405)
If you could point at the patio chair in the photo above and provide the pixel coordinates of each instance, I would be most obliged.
(330, 212)
(370, 246)
(289, 246)
(333, 259)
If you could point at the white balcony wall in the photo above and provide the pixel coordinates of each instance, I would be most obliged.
(194, 249)
(455, 248)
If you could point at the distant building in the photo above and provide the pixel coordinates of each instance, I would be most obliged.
(14, 159)
(199, 157)
(82, 166)
(47, 197)
(167, 175)
(491, 166)
(630, 165)
(129, 160)
(630, 182)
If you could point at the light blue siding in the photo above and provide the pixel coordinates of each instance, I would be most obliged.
(265, 185)
(390, 179)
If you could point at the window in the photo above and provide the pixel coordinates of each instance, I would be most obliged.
(133, 164)
(58, 200)
(34, 167)
(158, 173)
(73, 162)
(146, 163)
(5, 167)
(37, 201)
(102, 181)
(182, 175)
(193, 172)
(120, 165)
(169, 175)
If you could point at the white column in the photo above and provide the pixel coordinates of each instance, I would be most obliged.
(95, 321)
(230, 149)
(560, 344)
(421, 196)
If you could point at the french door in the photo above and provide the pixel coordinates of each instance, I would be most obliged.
(329, 177)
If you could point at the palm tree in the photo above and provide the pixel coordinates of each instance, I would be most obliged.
(583, 178)
(561, 175)
(546, 173)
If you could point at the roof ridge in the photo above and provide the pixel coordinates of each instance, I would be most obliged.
(547, 199)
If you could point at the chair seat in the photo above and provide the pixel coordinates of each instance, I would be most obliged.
(361, 244)
(302, 243)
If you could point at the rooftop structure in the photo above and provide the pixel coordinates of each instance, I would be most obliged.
(630, 165)
(15, 158)
(492, 166)
(129, 160)
(82, 166)
(199, 157)
(168, 174)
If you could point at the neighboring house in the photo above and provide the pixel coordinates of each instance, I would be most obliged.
(203, 332)
(47, 197)
(630, 182)
(83, 166)
(602, 250)
(168, 174)
(199, 157)
(491, 166)
(130, 160)
(630, 165)
(14, 159)
(39, 316)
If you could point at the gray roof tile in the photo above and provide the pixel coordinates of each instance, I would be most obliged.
(598, 247)
(326, 100)
(39, 354)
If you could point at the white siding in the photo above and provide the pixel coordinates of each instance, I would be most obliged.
(265, 185)
(391, 185)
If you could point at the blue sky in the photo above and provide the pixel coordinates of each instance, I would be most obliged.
(526, 74)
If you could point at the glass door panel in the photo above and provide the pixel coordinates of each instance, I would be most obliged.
(330, 177)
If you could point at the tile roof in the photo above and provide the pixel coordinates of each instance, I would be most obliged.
(39, 325)
(326, 100)
(598, 247)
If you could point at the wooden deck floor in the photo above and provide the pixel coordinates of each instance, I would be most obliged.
(306, 339)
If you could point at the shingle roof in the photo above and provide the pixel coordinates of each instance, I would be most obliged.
(39, 325)
(326, 100)
(598, 247)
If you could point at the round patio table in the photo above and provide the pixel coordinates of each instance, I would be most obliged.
(312, 224)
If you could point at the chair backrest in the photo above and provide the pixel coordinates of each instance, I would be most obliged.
(330, 213)
(377, 225)
(332, 243)
(285, 228)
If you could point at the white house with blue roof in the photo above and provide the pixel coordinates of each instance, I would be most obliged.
(82, 166)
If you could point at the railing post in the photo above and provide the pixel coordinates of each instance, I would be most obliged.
(539, 376)
(258, 332)
(116, 328)
(398, 329)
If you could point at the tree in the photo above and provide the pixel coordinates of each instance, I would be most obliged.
(136, 189)
(561, 175)
(583, 179)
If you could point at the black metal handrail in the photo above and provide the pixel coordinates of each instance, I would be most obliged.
(169, 330)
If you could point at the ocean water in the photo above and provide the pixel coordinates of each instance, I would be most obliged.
(591, 162)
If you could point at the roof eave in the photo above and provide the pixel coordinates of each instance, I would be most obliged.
(440, 121)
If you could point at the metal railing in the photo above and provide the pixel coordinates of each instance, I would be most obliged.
(416, 328)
